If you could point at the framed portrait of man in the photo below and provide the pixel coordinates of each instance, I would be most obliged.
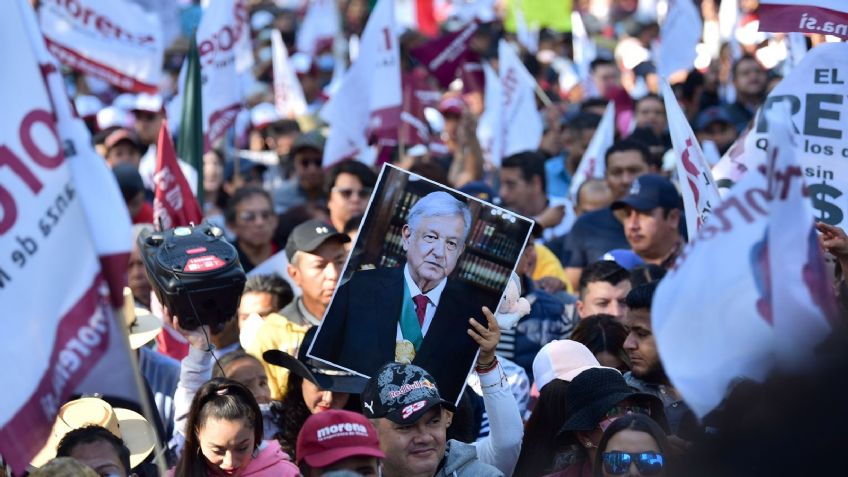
(426, 260)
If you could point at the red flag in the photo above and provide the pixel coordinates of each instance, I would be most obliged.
(427, 23)
(173, 203)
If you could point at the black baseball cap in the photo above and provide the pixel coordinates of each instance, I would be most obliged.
(648, 192)
(129, 180)
(309, 235)
(401, 393)
(318, 373)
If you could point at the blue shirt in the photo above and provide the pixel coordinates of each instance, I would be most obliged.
(593, 234)
(557, 179)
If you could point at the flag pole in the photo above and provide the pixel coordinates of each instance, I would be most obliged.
(190, 143)
(540, 93)
(128, 315)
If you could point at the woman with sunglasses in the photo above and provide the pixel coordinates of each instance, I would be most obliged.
(594, 400)
(348, 188)
(224, 436)
(633, 445)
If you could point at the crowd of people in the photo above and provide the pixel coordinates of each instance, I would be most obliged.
(577, 388)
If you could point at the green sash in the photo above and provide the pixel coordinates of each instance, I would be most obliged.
(409, 327)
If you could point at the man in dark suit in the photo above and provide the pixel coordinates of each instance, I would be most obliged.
(412, 313)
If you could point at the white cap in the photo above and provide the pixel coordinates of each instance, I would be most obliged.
(417, 150)
(87, 106)
(125, 101)
(263, 114)
(148, 102)
(261, 19)
(301, 62)
(112, 116)
(562, 359)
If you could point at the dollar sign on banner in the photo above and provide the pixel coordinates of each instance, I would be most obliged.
(829, 212)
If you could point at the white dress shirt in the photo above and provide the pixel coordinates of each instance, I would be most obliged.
(433, 297)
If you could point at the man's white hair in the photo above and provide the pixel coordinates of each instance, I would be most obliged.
(439, 204)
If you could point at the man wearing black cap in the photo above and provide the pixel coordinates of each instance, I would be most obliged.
(316, 255)
(132, 188)
(596, 233)
(411, 418)
(714, 124)
(651, 213)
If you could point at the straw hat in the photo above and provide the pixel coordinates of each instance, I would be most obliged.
(138, 434)
(142, 325)
(64, 467)
(144, 328)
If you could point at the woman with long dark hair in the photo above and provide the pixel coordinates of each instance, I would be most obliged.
(224, 436)
(595, 399)
(312, 387)
(604, 336)
(632, 445)
(540, 445)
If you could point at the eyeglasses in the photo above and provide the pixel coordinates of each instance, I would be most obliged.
(250, 215)
(618, 411)
(618, 463)
(347, 193)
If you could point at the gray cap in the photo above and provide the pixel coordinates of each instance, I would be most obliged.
(310, 140)
(309, 235)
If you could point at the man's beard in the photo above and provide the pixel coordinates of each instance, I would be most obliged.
(654, 375)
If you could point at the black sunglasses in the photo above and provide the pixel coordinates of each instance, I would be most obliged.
(347, 193)
(618, 463)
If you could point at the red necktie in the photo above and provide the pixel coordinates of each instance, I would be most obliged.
(421, 308)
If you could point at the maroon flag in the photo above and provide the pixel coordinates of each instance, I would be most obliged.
(418, 94)
(445, 56)
(173, 202)
(473, 78)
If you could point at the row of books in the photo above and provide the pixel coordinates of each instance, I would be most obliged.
(486, 236)
(484, 272)
(393, 243)
(406, 202)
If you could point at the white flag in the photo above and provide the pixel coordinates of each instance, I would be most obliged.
(223, 43)
(113, 40)
(815, 91)
(489, 125)
(700, 193)
(796, 43)
(592, 165)
(320, 26)
(521, 123)
(368, 102)
(828, 17)
(585, 51)
(728, 18)
(53, 228)
(288, 94)
(764, 298)
(679, 35)
(803, 307)
(526, 34)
